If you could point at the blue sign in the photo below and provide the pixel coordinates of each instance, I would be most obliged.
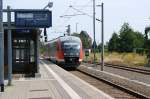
(35, 18)
(23, 31)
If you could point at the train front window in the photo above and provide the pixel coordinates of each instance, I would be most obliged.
(71, 45)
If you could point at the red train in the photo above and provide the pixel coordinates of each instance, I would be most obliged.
(65, 51)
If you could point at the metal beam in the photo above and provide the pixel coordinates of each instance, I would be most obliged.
(1, 48)
(37, 53)
(15, 10)
(13, 27)
(9, 47)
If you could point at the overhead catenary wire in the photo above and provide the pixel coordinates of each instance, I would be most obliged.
(85, 5)
(83, 12)
(68, 17)
(71, 15)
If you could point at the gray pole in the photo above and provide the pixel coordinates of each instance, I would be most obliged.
(1, 48)
(102, 51)
(37, 53)
(76, 27)
(9, 46)
(94, 28)
(69, 30)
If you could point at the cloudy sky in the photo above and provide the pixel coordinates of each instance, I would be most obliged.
(116, 12)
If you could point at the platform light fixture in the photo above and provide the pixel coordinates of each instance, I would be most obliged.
(49, 5)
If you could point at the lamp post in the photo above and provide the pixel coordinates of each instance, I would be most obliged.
(49, 5)
(1, 48)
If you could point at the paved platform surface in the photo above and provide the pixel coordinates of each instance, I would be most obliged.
(55, 83)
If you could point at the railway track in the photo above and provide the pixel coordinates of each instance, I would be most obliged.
(139, 70)
(110, 88)
(133, 69)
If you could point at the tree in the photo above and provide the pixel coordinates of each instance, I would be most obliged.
(127, 41)
(99, 47)
(85, 38)
(113, 43)
(76, 34)
(147, 39)
(139, 41)
(147, 43)
(126, 38)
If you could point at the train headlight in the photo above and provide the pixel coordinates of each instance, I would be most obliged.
(78, 46)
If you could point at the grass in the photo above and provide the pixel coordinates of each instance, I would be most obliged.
(131, 59)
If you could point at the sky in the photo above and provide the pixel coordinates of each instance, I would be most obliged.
(116, 12)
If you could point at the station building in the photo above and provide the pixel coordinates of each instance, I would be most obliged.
(25, 50)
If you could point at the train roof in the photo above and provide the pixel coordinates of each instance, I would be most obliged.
(65, 38)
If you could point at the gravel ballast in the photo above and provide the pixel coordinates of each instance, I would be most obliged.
(132, 85)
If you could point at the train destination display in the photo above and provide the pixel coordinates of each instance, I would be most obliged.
(40, 19)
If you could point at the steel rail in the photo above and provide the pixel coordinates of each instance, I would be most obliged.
(129, 91)
(134, 69)
(123, 67)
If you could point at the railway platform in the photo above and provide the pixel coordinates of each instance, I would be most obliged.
(54, 83)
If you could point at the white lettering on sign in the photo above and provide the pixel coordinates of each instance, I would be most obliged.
(1, 4)
(25, 15)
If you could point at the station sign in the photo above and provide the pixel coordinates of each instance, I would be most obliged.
(33, 18)
(87, 52)
(23, 30)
